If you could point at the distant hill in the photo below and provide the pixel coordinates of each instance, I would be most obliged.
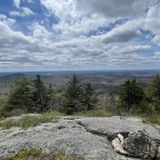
(103, 81)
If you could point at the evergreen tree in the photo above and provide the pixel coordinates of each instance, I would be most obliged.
(137, 93)
(50, 97)
(153, 93)
(20, 96)
(89, 98)
(40, 98)
(50, 92)
(131, 95)
(111, 105)
(73, 96)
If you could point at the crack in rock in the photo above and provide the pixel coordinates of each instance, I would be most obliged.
(110, 136)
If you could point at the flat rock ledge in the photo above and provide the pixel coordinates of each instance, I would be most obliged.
(86, 137)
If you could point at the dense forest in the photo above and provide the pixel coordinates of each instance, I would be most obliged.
(33, 96)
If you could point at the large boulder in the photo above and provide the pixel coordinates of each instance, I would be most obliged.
(139, 144)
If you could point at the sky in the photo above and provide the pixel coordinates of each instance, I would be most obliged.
(39, 35)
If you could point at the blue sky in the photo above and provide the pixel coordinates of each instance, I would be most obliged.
(79, 35)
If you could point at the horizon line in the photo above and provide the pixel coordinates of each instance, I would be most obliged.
(79, 70)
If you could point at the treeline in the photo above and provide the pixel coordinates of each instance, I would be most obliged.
(134, 99)
(35, 97)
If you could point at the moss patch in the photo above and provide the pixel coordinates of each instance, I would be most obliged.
(27, 121)
(154, 119)
(94, 113)
(38, 154)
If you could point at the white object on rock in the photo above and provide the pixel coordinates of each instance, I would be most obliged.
(158, 153)
(118, 144)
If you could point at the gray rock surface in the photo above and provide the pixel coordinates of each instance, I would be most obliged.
(111, 126)
(83, 137)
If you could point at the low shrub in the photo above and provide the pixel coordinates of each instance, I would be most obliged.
(26, 121)
(38, 154)
(94, 113)
(155, 119)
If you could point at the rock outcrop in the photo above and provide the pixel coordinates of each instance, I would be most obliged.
(139, 144)
(86, 137)
(111, 126)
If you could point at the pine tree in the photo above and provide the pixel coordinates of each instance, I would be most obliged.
(125, 95)
(73, 96)
(137, 93)
(89, 98)
(153, 93)
(111, 105)
(39, 95)
(50, 97)
(20, 97)
(131, 95)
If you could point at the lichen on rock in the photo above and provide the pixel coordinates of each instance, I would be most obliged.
(139, 144)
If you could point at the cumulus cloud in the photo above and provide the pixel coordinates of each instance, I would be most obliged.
(86, 34)
(9, 37)
(151, 22)
(72, 22)
(116, 8)
(8, 21)
(122, 33)
(17, 3)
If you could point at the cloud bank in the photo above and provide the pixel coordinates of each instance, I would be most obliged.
(79, 34)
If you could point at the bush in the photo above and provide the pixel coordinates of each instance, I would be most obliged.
(147, 108)
(155, 119)
(13, 113)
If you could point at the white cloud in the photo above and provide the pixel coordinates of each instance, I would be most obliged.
(152, 22)
(8, 21)
(70, 43)
(122, 33)
(27, 11)
(156, 39)
(17, 3)
(116, 8)
(23, 11)
(72, 22)
(81, 16)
